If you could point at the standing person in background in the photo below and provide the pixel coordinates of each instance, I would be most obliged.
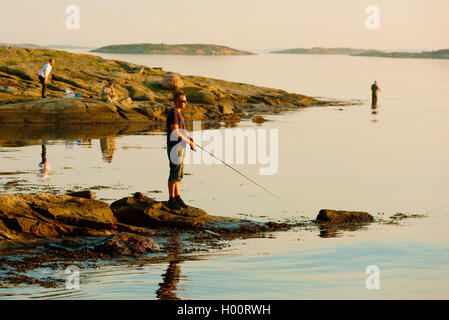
(44, 74)
(374, 89)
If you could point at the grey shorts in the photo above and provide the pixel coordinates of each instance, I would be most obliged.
(176, 165)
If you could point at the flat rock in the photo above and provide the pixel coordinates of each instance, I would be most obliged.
(46, 215)
(336, 216)
(147, 212)
(68, 110)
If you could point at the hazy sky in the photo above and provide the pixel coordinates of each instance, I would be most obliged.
(242, 24)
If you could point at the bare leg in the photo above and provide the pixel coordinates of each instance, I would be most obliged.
(171, 189)
(177, 193)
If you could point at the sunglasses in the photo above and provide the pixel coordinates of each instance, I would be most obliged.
(183, 101)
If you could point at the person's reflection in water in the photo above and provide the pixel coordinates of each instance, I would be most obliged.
(374, 107)
(107, 148)
(84, 143)
(374, 111)
(374, 92)
(44, 166)
(167, 288)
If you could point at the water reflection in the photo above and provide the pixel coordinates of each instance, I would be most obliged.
(170, 279)
(374, 111)
(107, 148)
(25, 135)
(86, 143)
(335, 231)
(44, 166)
(167, 288)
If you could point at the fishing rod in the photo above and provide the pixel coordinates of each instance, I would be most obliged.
(243, 175)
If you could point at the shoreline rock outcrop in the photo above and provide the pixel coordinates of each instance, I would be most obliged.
(29, 216)
(147, 91)
(33, 216)
(133, 219)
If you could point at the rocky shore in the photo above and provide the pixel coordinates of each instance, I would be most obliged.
(55, 231)
(32, 216)
(50, 231)
(128, 224)
(145, 93)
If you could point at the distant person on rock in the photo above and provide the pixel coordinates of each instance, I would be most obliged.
(44, 74)
(374, 90)
(108, 93)
(177, 139)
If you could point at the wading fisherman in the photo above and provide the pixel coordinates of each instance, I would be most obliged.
(374, 89)
(177, 139)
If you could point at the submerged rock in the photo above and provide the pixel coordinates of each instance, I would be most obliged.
(336, 216)
(126, 244)
(259, 119)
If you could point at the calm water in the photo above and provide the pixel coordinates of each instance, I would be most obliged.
(396, 160)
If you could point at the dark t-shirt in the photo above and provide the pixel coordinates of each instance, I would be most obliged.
(174, 117)
(374, 88)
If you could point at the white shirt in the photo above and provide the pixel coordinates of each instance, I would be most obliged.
(45, 71)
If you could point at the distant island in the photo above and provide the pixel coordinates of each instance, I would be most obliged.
(438, 54)
(319, 50)
(162, 48)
